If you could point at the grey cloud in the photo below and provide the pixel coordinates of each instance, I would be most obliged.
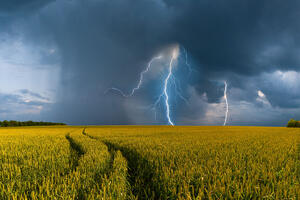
(237, 35)
(214, 90)
(33, 94)
(14, 106)
(8, 6)
(116, 39)
(106, 43)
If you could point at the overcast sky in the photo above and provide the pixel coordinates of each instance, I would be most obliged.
(58, 58)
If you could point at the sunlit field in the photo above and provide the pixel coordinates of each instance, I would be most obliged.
(149, 162)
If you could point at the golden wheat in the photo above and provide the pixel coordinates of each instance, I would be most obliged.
(149, 162)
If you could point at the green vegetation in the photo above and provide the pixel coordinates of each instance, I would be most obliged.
(149, 162)
(13, 123)
(293, 124)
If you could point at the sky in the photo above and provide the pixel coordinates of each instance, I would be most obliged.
(59, 59)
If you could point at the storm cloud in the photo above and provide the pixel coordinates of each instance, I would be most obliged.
(98, 44)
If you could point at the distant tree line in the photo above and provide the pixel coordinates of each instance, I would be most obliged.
(13, 123)
(293, 123)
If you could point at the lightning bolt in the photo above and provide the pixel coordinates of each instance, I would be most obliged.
(186, 61)
(140, 82)
(170, 79)
(226, 102)
(165, 92)
(167, 82)
(170, 82)
(178, 89)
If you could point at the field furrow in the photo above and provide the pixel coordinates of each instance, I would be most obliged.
(141, 174)
(115, 183)
(76, 151)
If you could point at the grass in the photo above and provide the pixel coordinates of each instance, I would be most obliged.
(149, 162)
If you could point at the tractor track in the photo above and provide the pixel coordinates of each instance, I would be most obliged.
(140, 172)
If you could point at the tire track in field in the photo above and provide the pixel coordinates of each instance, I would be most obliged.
(112, 155)
(86, 134)
(76, 151)
(140, 172)
(298, 164)
(112, 151)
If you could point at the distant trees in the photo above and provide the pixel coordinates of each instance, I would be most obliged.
(13, 123)
(293, 123)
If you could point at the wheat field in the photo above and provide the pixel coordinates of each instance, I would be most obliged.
(149, 162)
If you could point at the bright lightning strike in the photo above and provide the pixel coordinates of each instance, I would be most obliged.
(140, 80)
(142, 75)
(226, 102)
(174, 56)
(168, 83)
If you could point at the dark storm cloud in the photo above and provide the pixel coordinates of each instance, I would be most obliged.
(12, 10)
(102, 43)
(8, 6)
(113, 40)
(106, 43)
(282, 93)
(213, 90)
(245, 37)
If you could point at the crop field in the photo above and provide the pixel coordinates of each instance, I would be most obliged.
(149, 162)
